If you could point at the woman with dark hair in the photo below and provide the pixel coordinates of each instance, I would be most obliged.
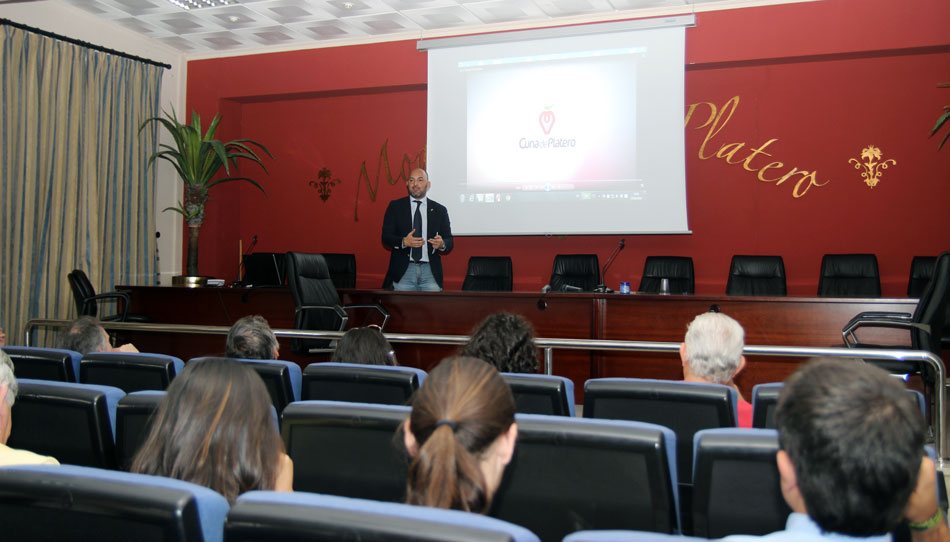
(216, 428)
(460, 436)
(506, 341)
(365, 345)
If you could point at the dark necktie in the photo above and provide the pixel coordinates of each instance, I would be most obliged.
(417, 225)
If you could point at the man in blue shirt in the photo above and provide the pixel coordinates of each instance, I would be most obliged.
(851, 459)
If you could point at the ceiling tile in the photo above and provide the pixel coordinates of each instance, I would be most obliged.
(181, 22)
(566, 8)
(330, 29)
(383, 23)
(447, 17)
(290, 11)
(234, 17)
(505, 11)
(354, 8)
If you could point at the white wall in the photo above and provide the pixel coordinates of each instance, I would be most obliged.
(70, 21)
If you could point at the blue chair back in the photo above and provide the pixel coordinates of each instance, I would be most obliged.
(291, 517)
(75, 423)
(571, 474)
(133, 420)
(360, 383)
(282, 379)
(129, 371)
(81, 503)
(44, 363)
(541, 394)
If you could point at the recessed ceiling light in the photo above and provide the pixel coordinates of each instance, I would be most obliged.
(348, 5)
(198, 4)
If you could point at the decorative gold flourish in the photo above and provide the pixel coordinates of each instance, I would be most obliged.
(325, 185)
(873, 165)
(406, 165)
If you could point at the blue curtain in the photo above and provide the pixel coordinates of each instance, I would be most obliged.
(75, 191)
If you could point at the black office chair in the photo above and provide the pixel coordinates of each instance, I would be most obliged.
(849, 275)
(317, 302)
(347, 449)
(756, 276)
(355, 382)
(570, 474)
(129, 371)
(677, 269)
(575, 270)
(133, 420)
(87, 301)
(342, 269)
(925, 325)
(44, 363)
(541, 394)
(488, 274)
(75, 423)
(921, 271)
(299, 517)
(736, 487)
(66, 502)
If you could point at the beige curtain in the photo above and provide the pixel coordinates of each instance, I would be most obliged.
(75, 192)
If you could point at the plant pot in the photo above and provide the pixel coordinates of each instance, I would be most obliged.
(189, 282)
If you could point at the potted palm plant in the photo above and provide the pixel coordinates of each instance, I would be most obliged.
(198, 157)
(942, 120)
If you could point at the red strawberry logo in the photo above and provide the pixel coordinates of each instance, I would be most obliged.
(546, 119)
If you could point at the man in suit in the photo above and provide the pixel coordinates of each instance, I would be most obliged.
(417, 231)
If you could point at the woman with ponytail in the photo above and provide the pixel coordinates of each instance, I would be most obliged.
(460, 436)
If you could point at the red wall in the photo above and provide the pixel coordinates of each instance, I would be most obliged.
(823, 80)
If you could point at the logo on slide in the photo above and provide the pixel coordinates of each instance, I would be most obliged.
(546, 119)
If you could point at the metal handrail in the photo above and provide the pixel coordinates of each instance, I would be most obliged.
(549, 344)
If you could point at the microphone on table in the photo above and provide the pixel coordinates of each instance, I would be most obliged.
(543, 303)
(602, 288)
(569, 288)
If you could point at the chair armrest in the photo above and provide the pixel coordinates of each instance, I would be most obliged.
(336, 309)
(375, 306)
(112, 296)
(878, 319)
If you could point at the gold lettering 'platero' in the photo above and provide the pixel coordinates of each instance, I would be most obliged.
(752, 159)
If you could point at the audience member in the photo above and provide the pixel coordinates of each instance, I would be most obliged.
(216, 428)
(251, 338)
(8, 391)
(506, 341)
(3, 337)
(365, 345)
(851, 458)
(86, 335)
(712, 352)
(460, 436)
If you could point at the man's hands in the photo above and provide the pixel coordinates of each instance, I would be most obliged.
(922, 503)
(410, 241)
(414, 242)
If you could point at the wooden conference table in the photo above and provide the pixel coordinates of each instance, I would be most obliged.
(778, 321)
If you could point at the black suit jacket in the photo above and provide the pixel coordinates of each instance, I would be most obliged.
(398, 222)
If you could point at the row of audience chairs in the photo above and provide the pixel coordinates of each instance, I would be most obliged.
(841, 275)
(567, 475)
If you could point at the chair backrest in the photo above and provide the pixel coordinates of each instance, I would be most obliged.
(684, 407)
(488, 274)
(133, 419)
(921, 271)
(360, 383)
(736, 488)
(129, 371)
(541, 394)
(265, 269)
(932, 308)
(298, 517)
(849, 275)
(347, 449)
(311, 286)
(75, 423)
(578, 270)
(44, 363)
(764, 400)
(342, 268)
(756, 275)
(82, 289)
(80, 503)
(282, 379)
(571, 474)
(677, 269)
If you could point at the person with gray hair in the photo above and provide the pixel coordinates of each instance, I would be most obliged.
(712, 352)
(251, 338)
(8, 392)
(85, 335)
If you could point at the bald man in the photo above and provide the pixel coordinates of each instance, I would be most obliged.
(417, 231)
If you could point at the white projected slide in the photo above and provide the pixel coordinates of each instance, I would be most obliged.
(580, 134)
